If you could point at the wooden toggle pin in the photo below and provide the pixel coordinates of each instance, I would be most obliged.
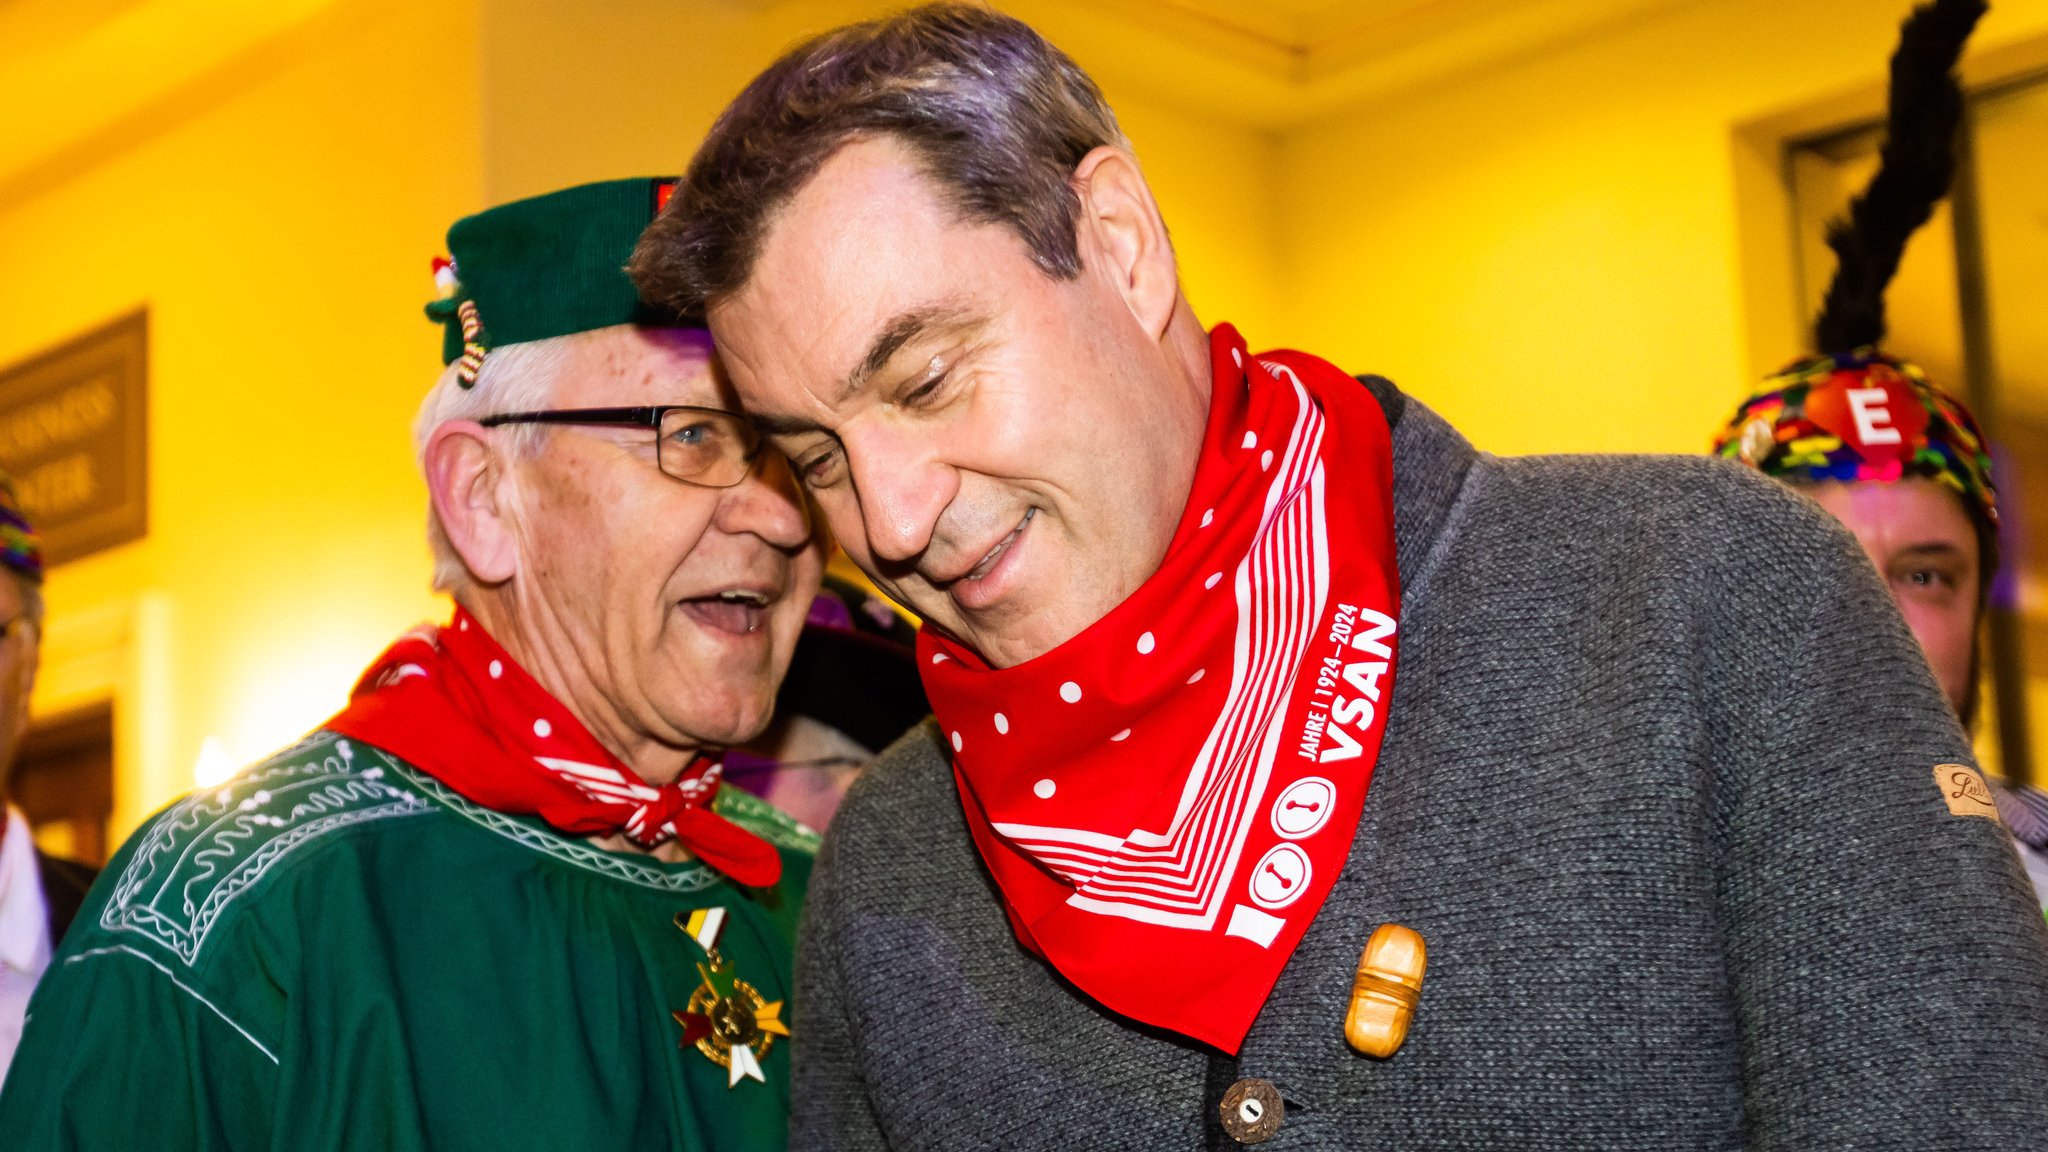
(1384, 994)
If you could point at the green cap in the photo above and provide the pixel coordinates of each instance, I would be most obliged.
(545, 266)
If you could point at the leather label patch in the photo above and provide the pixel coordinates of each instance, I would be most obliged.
(1965, 791)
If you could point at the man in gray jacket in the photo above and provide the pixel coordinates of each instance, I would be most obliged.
(1235, 660)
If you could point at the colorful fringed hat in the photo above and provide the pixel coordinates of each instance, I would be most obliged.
(1853, 413)
(1862, 416)
(20, 549)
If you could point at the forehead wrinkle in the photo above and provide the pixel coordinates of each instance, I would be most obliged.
(629, 365)
(691, 382)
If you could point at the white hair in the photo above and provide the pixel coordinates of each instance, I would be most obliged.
(515, 378)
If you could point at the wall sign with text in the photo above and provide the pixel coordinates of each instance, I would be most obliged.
(74, 437)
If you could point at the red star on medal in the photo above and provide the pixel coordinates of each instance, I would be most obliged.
(727, 1019)
(696, 1026)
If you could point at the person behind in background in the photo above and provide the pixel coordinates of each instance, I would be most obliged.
(1899, 461)
(500, 901)
(39, 894)
(1183, 603)
(852, 690)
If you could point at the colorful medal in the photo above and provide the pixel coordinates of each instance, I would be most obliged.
(726, 1018)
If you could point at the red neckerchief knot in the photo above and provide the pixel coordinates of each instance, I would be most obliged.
(655, 819)
(453, 702)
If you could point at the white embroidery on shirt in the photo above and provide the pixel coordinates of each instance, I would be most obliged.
(193, 861)
(186, 988)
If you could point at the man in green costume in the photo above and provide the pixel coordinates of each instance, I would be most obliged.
(499, 902)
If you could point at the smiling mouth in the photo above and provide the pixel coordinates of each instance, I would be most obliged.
(738, 611)
(995, 554)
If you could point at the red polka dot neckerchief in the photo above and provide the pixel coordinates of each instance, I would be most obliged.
(452, 702)
(1166, 799)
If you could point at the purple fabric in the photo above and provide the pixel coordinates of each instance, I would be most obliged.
(2025, 812)
(829, 611)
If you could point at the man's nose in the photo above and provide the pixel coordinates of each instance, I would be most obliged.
(767, 504)
(902, 491)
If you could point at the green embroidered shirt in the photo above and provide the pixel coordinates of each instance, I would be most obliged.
(336, 951)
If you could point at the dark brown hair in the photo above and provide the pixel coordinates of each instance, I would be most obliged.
(998, 117)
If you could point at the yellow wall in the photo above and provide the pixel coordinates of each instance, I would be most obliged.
(1548, 252)
(280, 237)
(569, 98)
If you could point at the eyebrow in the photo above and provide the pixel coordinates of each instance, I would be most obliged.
(1931, 548)
(901, 330)
(780, 425)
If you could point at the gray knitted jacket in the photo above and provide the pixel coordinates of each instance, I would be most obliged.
(1657, 789)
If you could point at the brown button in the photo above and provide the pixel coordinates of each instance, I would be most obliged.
(1252, 1111)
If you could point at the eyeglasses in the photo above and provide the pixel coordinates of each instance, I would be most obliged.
(705, 446)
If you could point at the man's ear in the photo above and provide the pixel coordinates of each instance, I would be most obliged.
(1124, 232)
(469, 483)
